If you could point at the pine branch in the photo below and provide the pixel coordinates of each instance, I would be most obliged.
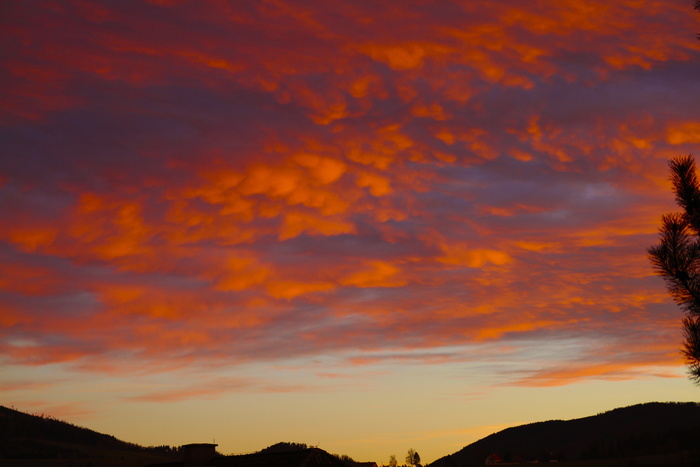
(677, 259)
(691, 347)
(687, 188)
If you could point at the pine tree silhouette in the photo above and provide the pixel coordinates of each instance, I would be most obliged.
(677, 256)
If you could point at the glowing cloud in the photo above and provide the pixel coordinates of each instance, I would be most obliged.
(324, 186)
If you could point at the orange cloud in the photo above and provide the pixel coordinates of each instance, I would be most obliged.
(379, 274)
(46, 408)
(461, 255)
(181, 189)
(210, 391)
(683, 133)
(296, 223)
(605, 371)
(241, 274)
(292, 289)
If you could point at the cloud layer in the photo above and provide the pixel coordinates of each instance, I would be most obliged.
(214, 184)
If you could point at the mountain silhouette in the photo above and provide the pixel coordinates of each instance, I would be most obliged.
(625, 433)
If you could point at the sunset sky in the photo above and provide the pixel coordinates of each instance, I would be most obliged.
(367, 225)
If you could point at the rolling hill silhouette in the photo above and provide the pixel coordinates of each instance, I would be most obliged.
(37, 437)
(640, 430)
(37, 440)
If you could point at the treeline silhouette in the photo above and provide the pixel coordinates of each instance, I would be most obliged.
(629, 432)
(27, 436)
(285, 447)
(292, 447)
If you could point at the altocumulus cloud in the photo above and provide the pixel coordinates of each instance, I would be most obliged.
(265, 181)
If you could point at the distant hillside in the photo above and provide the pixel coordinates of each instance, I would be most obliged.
(286, 447)
(40, 441)
(309, 457)
(665, 429)
(639, 430)
(25, 436)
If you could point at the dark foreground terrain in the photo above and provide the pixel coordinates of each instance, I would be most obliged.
(650, 435)
(658, 434)
(29, 440)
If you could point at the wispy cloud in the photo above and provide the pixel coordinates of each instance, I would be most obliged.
(214, 388)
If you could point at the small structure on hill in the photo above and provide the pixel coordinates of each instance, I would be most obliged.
(493, 459)
(197, 454)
